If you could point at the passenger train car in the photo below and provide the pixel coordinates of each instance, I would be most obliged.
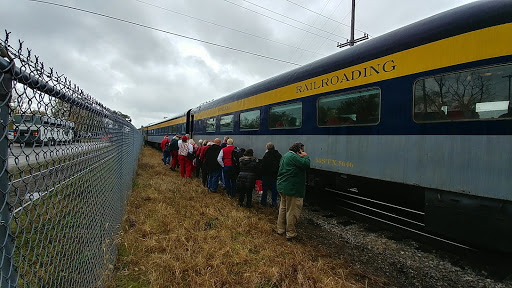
(420, 116)
(154, 133)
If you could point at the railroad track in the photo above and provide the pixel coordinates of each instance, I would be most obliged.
(399, 217)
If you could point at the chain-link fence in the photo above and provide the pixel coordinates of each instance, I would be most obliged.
(67, 169)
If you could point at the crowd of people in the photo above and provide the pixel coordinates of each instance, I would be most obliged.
(238, 170)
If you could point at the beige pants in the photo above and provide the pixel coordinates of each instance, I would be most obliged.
(289, 212)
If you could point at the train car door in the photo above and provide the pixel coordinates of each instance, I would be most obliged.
(190, 123)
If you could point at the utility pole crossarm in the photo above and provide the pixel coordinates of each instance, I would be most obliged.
(353, 41)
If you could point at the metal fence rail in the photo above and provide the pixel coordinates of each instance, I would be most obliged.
(67, 164)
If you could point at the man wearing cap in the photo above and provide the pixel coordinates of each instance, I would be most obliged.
(184, 148)
(166, 152)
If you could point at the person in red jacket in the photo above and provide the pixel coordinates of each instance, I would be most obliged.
(166, 153)
(225, 160)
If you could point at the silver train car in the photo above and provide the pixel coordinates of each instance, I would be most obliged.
(420, 117)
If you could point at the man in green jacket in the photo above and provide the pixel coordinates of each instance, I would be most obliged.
(291, 185)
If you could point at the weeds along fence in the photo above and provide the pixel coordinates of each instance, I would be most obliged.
(67, 166)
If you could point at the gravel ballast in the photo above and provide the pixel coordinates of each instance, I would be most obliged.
(395, 261)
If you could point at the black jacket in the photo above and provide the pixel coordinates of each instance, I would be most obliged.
(270, 163)
(249, 168)
(210, 158)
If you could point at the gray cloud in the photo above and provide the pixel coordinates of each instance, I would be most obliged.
(150, 75)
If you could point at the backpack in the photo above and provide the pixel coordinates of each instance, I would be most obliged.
(235, 162)
(191, 156)
(235, 157)
(167, 148)
(276, 160)
(174, 145)
(271, 161)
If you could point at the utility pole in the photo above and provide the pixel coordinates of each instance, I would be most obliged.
(353, 23)
(353, 41)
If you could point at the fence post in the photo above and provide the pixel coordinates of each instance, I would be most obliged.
(6, 245)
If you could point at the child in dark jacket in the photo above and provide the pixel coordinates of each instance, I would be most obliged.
(249, 167)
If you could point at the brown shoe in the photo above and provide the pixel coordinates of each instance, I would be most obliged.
(279, 234)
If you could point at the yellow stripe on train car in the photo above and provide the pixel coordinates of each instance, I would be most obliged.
(472, 46)
(168, 123)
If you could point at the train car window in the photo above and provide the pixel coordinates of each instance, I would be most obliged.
(226, 123)
(199, 126)
(250, 120)
(482, 93)
(210, 125)
(285, 116)
(353, 108)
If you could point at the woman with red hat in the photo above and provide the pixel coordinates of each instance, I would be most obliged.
(184, 148)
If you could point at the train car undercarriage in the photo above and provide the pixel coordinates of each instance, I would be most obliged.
(476, 222)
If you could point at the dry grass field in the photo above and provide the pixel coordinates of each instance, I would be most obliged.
(177, 234)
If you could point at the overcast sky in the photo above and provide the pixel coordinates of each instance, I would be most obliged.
(151, 73)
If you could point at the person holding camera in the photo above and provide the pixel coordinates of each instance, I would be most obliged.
(291, 186)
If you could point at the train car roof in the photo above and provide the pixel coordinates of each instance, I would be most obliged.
(460, 20)
(165, 120)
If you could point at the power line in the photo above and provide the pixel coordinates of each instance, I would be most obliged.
(324, 16)
(292, 18)
(163, 31)
(225, 27)
(343, 19)
(281, 21)
(304, 36)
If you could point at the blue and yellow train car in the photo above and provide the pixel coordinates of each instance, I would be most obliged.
(155, 132)
(426, 108)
